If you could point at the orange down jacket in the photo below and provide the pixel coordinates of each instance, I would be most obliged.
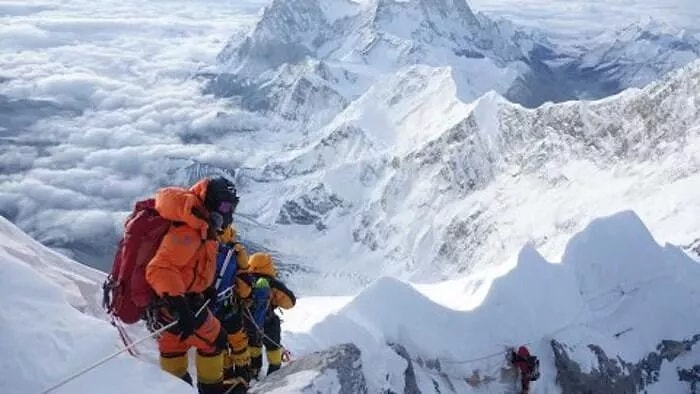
(186, 260)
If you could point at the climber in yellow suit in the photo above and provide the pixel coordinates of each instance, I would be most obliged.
(263, 326)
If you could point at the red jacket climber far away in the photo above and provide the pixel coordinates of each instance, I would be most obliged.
(528, 366)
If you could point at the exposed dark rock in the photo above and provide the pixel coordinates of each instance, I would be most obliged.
(310, 208)
(410, 383)
(343, 359)
(694, 248)
(692, 376)
(617, 376)
(464, 237)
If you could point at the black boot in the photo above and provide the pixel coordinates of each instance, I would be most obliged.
(226, 387)
(255, 366)
(243, 372)
(272, 368)
(211, 388)
(229, 373)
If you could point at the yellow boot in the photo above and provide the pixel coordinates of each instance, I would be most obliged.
(274, 359)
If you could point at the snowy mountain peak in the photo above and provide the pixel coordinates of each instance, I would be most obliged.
(431, 9)
(632, 56)
(344, 30)
(651, 24)
(650, 29)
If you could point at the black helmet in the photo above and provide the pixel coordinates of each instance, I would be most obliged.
(221, 198)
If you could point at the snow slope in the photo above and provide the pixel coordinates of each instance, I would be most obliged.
(81, 284)
(612, 276)
(46, 334)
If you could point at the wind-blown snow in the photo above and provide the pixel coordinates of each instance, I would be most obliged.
(44, 338)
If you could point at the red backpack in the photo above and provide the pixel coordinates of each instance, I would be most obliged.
(126, 294)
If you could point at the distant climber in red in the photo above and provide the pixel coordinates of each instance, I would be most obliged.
(528, 366)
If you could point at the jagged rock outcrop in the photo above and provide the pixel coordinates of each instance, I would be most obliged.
(498, 138)
(613, 375)
(410, 384)
(310, 208)
(340, 364)
(692, 376)
(304, 54)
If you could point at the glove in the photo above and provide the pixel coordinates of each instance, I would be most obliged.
(211, 295)
(184, 315)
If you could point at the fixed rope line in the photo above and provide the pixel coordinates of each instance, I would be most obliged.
(620, 289)
(120, 351)
(260, 331)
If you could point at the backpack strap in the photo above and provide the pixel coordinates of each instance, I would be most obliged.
(224, 266)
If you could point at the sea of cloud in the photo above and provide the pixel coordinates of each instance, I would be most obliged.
(96, 99)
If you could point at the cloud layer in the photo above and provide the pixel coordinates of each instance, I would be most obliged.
(95, 101)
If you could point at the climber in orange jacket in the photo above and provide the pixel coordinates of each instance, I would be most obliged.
(183, 269)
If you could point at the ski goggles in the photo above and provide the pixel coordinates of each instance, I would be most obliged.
(225, 207)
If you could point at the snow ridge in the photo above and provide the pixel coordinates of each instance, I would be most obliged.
(612, 274)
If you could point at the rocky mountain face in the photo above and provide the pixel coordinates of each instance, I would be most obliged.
(368, 92)
(459, 170)
(391, 121)
(607, 375)
(338, 368)
(305, 57)
(614, 375)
